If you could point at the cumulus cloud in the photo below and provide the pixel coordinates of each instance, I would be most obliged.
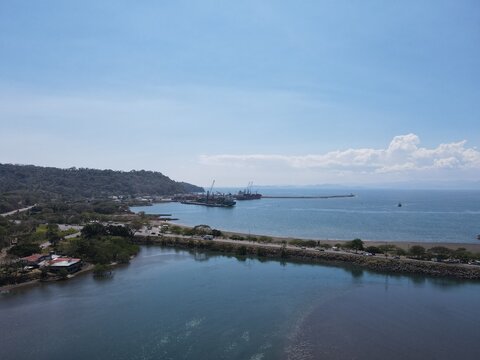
(403, 154)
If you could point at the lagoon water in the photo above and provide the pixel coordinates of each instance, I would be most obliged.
(425, 215)
(170, 304)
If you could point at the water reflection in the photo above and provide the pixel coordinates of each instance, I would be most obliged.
(356, 273)
(418, 280)
(173, 303)
(200, 256)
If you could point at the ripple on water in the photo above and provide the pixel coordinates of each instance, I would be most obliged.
(196, 322)
(165, 340)
(258, 356)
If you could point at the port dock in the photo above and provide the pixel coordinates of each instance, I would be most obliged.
(308, 197)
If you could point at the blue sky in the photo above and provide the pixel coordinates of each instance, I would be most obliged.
(278, 92)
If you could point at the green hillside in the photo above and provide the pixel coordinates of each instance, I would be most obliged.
(26, 184)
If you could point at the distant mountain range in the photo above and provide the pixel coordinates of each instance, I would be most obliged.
(405, 185)
(28, 183)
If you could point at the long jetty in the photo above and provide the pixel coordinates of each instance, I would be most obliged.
(307, 197)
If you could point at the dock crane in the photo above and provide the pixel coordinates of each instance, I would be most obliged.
(210, 191)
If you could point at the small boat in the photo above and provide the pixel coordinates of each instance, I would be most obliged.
(478, 237)
(399, 205)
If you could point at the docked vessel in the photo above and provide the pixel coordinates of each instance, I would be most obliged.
(247, 194)
(211, 199)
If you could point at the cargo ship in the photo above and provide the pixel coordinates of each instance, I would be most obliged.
(247, 194)
(211, 199)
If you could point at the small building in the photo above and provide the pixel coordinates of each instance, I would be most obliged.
(72, 265)
(34, 259)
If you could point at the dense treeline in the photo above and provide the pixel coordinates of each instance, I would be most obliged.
(27, 184)
(101, 244)
(24, 226)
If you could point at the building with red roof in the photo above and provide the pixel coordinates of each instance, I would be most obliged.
(34, 259)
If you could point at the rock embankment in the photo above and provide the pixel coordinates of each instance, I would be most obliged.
(374, 263)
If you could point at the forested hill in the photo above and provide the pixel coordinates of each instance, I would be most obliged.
(34, 181)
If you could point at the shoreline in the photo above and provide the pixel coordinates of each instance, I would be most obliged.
(275, 251)
(404, 244)
(306, 255)
(6, 288)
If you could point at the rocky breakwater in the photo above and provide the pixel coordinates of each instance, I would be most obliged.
(284, 253)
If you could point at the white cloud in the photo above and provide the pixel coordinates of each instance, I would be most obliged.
(403, 154)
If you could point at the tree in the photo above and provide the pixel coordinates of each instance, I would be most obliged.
(22, 250)
(52, 234)
(216, 233)
(462, 254)
(440, 252)
(118, 230)
(355, 244)
(137, 224)
(9, 272)
(373, 250)
(177, 230)
(93, 230)
(309, 243)
(202, 230)
(417, 251)
(52, 230)
(102, 270)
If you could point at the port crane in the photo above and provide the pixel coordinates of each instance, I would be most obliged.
(210, 191)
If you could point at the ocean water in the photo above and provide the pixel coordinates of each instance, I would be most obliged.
(170, 304)
(425, 215)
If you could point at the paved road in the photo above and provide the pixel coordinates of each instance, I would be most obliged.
(243, 242)
(18, 211)
(306, 249)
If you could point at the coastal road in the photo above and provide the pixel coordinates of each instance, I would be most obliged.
(247, 243)
(305, 249)
(278, 246)
(350, 253)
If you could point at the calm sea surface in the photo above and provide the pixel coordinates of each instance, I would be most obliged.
(443, 216)
(171, 304)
